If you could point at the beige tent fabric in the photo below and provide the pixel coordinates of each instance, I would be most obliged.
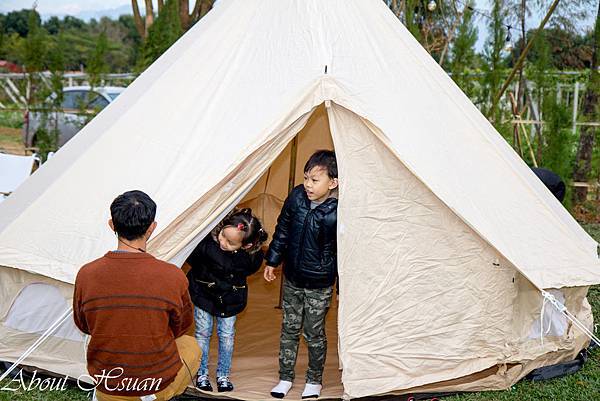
(415, 310)
(315, 135)
(194, 222)
(58, 355)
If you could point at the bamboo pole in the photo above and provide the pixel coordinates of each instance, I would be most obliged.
(291, 185)
(520, 128)
(575, 106)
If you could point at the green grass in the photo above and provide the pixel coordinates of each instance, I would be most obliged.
(11, 119)
(10, 140)
(593, 230)
(71, 393)
(581, 386)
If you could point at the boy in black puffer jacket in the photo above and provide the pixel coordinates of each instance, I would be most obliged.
(305, 240)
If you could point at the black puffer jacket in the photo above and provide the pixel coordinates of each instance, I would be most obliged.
(306, 241)
(218, 278)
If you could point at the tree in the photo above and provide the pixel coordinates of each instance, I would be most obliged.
(70, 22)
(47, 133)
(53, 25)
(97, 64)
(186, 19)
(538, 73)
(558, 141)
(433, 27)
(494, 64)
(163, 33)
(123, 41)
(35, 45)
(569, 50)
(132, 39)
(463, 52)
(19, 22)
(587, 138)
(569, 14)
(413, 18)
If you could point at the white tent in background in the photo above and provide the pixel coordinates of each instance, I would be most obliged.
(445, 236)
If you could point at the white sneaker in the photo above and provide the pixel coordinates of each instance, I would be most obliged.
(281, 389)
(312, 391)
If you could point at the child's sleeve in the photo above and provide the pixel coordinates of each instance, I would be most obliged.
(278, 245)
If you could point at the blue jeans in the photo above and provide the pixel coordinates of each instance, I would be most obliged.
(226, 334)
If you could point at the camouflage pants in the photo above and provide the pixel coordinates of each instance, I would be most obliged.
(303, 308)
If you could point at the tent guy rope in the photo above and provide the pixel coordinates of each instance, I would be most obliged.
(39, 341)
(563, 309)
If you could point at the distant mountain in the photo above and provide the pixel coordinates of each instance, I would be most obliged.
(112, 13)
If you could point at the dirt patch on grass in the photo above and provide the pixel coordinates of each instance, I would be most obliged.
(588, 212)
(10, 141)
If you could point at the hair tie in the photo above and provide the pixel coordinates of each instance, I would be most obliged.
(240, 226)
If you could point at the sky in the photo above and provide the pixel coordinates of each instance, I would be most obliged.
(87, 9)
(70, 7)
(62, 7)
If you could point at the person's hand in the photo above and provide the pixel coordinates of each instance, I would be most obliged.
(269, 273)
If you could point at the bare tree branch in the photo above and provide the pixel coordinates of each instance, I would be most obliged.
(137, 18)
(149, 17)
(206, 7)
(396, 8)
(195, 11)
(401, 9)
(184, 14)
(449, 39)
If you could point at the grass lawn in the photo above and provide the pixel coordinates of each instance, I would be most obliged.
(11, 123)
(10, 140)
(582, 386)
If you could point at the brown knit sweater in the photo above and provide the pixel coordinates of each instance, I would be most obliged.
(133, 306)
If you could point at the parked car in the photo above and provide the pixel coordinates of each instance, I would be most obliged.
(79, 104)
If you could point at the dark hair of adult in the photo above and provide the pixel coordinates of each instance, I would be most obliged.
(325, 159)
(245, 221)
(132, 213)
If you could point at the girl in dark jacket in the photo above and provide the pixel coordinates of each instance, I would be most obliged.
(220, 265)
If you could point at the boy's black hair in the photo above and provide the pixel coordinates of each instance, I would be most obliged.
(132, 213)
(325, 159)
(248, 223)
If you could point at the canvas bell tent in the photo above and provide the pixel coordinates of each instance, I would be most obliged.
(446, 239)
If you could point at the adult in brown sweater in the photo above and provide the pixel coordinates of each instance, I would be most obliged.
(136, 310)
